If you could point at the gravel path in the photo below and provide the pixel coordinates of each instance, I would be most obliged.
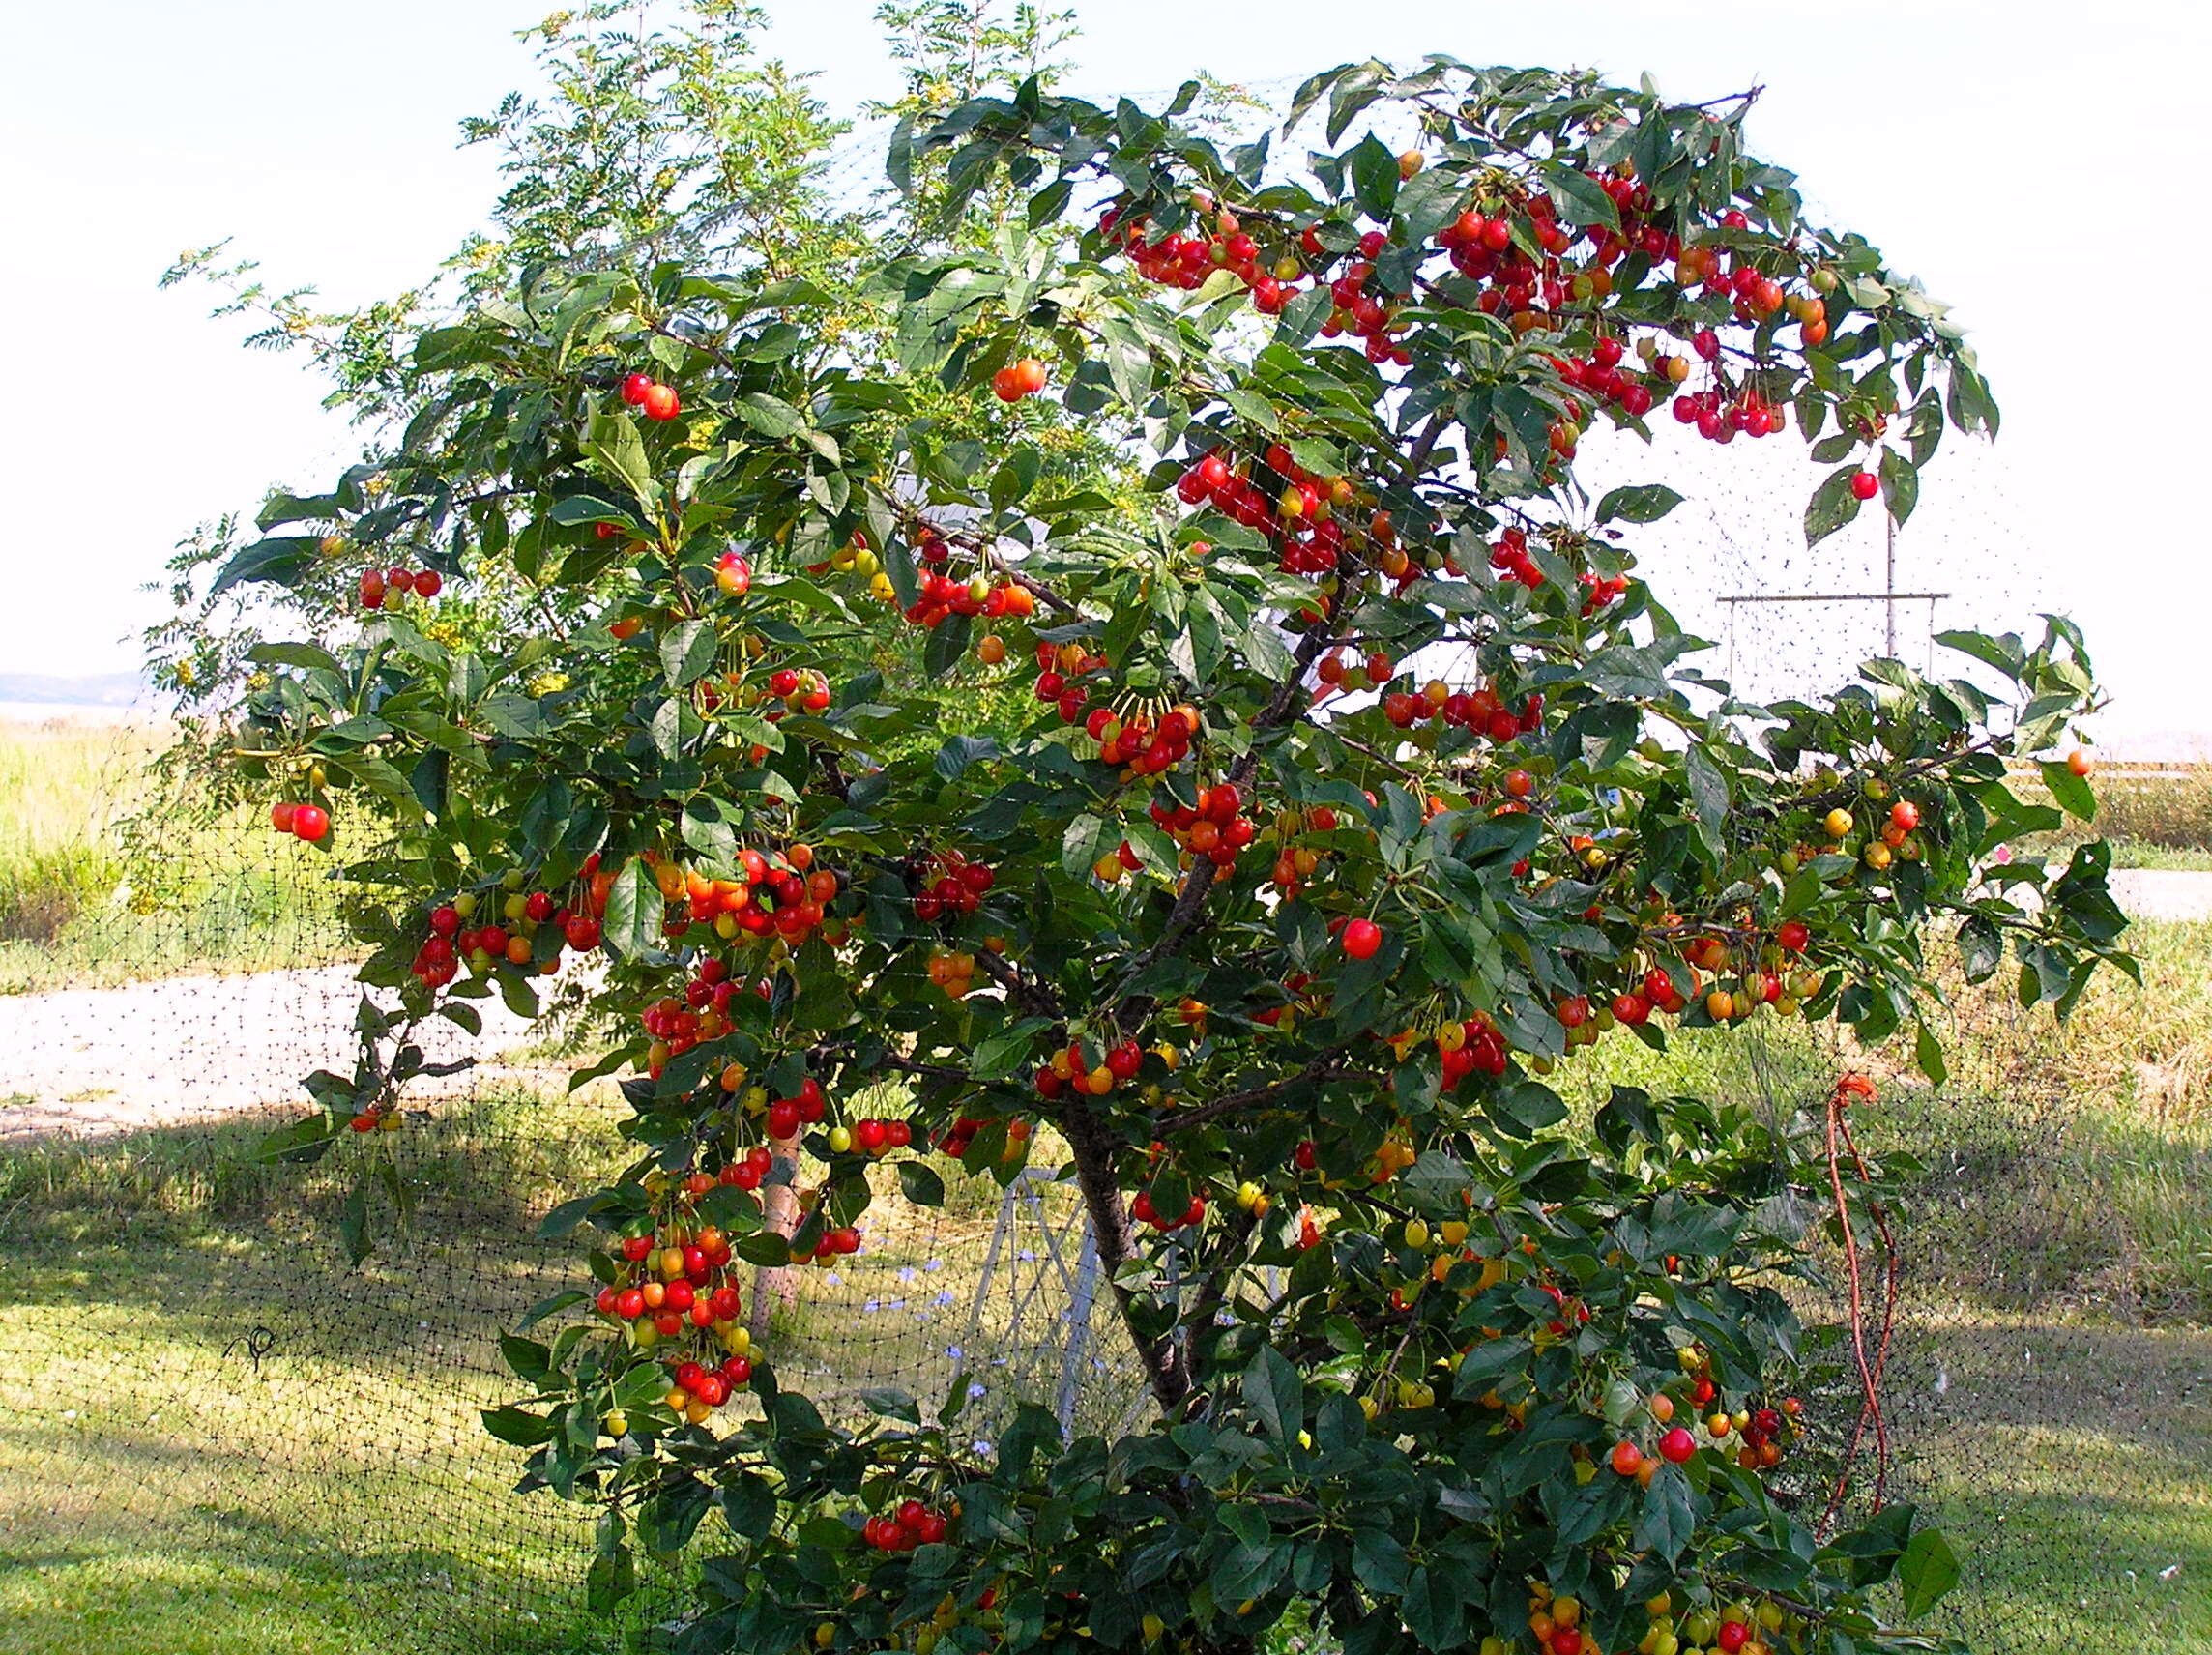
(94, 1062)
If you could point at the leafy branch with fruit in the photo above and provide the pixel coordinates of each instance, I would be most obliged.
(1246, 823)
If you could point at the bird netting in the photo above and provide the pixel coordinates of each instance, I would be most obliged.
(217, 1432)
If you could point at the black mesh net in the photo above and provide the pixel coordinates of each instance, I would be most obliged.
(215, 1434)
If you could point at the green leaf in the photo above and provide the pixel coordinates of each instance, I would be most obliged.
(1832, 505)
(1580, 199)
(635, 912)
(2072, 793)
(687, 651)
(770, 415)
(1015, 478)
(763, 1247)
(305, 656)
(1981, 947)
(518, 1426)
(617, 451)
(1899, 484)
(1668, 1518)
(1636, 502)
(1275, 1394)
(1927, 1570)
(1007, 1052)
(960, 751)
(2005, 653)
(1708, 789)
(923, 1184)
(551, 1305)
(1086, 840)
(748, 1506)
(1373, 177)
(282, 560)
(1928, 1053)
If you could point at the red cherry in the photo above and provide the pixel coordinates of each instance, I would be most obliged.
(635, 387)
(1793, 935)
(1361, 938)
(783, 1117)
(1865, 485)
(428, 583)
(1676, 1446)
(311, 821)
(1905, 814)
(661, 402)
(1734, 1636)
(281, 817)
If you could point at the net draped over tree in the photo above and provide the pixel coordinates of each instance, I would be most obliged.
(1122, 673)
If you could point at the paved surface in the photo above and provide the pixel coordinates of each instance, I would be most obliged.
(93, 1062)
(2162, 893)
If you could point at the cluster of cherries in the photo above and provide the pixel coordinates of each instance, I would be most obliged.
(1057, 666)
(675, 1279)
(1509, 556)
(1718, 417)
(954, 1141)
(1019, 379)
(1295, 864)
(512, 938)
(657, 401)
(951, 884)
(696, 1391)
(1480, 711)
(782, 893)
(938, 595)
(1073, 1068)
(871, 1136)
(1143, 1212)
(1300, 509)
(912, 1525)
(1759, 1433)
(1470, 1047)
(953, 970)
(308, 822)
(396, 582)
(1515, 251)
(1215, 827)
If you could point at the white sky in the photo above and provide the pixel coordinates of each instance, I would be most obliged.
(2038, 164)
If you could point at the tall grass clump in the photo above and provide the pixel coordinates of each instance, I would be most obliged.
(62, 788)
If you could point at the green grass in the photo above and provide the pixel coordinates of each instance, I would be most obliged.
(2072, 1464)
(166, 1485)
(2185, 858)
(78, 908)
(162, 1489)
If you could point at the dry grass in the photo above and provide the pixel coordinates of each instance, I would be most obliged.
(2144, 809)
(74, 912)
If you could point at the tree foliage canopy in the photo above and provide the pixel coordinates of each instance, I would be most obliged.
(1243, 771)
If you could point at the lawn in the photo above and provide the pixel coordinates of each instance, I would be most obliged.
(214, 1437)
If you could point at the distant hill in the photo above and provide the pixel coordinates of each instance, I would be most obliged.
(99, 689)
